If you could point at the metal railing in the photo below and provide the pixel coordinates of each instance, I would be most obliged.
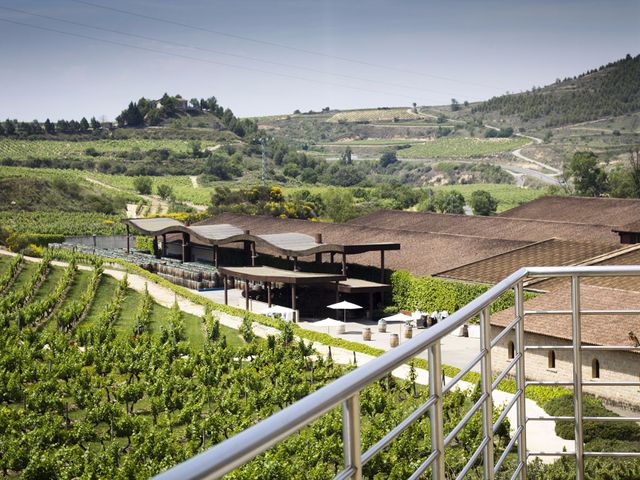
(236, 451)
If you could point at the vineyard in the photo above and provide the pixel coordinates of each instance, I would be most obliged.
(462, 147)
(374, 115)
(508, 196)
(62, 223)
(51, 149)
(98, 381)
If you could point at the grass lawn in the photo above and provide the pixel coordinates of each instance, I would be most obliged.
(25, 274)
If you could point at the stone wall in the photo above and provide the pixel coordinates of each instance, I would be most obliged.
(621, 366)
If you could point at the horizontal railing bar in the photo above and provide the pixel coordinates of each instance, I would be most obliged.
(506, 371)
(550, 418)
(548, 383)
(612, 419)
(548, 347)
(507, 449)
(388, 438)
(517, 471)
(609, 347)
(449, 385)
(611, 384)
(505, 330)
(551, 454)
(462, 423)
(506, 410)
(583, 312)
(612, 454)
(584, 271)
(473, 459)
(592, 419)
(424, 465)
(345, 474)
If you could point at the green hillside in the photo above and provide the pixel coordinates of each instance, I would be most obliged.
(611, 90)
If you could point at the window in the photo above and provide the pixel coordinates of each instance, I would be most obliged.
(511, 349)
(551, 359)
(595, 368)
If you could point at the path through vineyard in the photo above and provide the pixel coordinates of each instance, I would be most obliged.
(158, 206)
(541, 435)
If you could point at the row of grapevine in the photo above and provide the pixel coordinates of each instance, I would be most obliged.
(39, 310)
(71, 315)
(8, 277)
(143, 315)
(20, 297)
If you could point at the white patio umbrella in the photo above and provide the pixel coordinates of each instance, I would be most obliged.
(344, 305)
(398, 317)
(285, 312)
(329, 322)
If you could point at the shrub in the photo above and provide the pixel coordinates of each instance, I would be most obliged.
(592, 407)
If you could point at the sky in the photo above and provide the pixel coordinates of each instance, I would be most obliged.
(74, 58)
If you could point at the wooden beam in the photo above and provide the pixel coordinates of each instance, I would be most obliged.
(269, 293)
(382, 266)
(226, 290)
(293, 296)
(164, 244)
(246, 295)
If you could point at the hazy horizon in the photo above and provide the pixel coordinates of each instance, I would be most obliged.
(304, 54)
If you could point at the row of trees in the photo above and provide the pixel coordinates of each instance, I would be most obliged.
(15, 128)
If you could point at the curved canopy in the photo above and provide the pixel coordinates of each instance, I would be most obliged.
(291, 244)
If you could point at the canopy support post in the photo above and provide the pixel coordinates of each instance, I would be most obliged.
(269, 293)
(226, 290)
(293, 297)
(382, 266)
(344, 263)
(246, 295)
(128, 240)
(370, 305)
(164, 244)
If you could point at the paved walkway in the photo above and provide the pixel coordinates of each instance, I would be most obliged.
(541, 435)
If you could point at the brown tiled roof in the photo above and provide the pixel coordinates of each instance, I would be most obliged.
(633, 227)
(596, 329)
(553, 252)
(489, 227)
(628, 255)
(420, 253)
(594, 211)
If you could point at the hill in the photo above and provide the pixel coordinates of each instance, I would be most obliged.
(611, 90)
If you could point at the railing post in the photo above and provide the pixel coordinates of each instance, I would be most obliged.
(435, 411)
(487, 407)
(577, 375)
(520, 380)
(351, 435)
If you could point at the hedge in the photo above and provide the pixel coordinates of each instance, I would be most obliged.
(538, 394)
(429, 293)
(16, 242)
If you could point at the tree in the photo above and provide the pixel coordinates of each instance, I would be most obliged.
(49, 127)
(164, 191)
(483, 203)
(449, 202)
(339, 205)
(346, 157)
(455, 106)
(95, 124)
(143, 185)
(84, 125)
(388, 158)
(589, 179)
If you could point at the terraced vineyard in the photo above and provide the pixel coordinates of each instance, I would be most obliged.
(374, 115)
(445, 147)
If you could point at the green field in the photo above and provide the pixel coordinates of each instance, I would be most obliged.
(50, 149)
(462, 147)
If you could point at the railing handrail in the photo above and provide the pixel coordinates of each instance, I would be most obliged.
(242, 447)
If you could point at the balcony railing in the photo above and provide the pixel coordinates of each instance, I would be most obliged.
(238, 450)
